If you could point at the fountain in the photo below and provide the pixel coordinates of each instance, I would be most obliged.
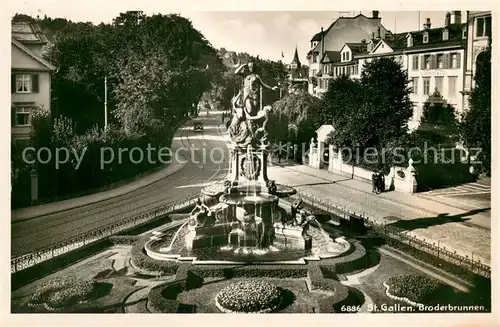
(246, 217)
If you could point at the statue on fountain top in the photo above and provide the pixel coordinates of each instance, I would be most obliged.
(248, 126)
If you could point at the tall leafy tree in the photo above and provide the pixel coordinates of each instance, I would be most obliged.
(476, 122)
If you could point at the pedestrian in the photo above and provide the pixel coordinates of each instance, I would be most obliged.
(374, 182)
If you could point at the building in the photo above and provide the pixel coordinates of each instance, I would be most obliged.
(297, 77)
(478, 43)
(432, 57)
(343, 30)
(30, 77)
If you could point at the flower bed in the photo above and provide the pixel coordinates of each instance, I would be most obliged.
(60, 293)
(249, 296)
(416, 288)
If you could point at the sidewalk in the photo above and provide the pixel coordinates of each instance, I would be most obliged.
(53, 207)
(467, 232)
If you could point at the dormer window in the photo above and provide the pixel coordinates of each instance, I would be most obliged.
(409, 40)
(446, 34)
(425, 38)
(370, 46)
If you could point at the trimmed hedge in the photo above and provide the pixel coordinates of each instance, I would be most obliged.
(162, 298)
(123, 239)
(356, 260)
(332, 303)
(143, 261)
(274, 271)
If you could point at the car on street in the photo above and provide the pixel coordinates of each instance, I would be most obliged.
(198, 126)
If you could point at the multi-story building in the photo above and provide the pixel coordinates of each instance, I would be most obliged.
(432, 57)
(341, 31)
(30, 77)
(478, 43)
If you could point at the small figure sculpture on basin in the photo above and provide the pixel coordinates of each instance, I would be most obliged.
(200, 214)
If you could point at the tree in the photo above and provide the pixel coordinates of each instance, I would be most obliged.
(372, 112)
(476, 122)
(298, 111)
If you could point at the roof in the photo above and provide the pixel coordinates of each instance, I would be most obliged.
(317, 36)
(398, 41)
(331, 56)
(357, 47)
(296, 57)
(28, 32)
(33, 55)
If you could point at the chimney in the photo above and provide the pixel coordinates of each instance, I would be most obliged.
(322, 43)
(378, 32)
(457, 17)
(427, 24)
(375, 14)
(447, 19)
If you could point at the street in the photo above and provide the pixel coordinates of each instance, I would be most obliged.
(32, 234)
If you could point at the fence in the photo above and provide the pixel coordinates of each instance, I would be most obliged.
(399, 237)
(78, 241)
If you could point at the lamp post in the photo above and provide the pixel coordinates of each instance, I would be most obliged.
(105, 102)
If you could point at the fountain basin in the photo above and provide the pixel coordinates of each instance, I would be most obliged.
(239, 199)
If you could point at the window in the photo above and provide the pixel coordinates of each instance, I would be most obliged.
(446, 34)
(427, 62)
(452, 86)
(455, 60)
(23, 83)
(427, 83)
(425, 38)
(415, 62)
(347, 56)
(440, 61)
(487, 27)
(409, 41)
(23, 116)
(439, 84)
(315, 58)
(464, 33)
(415, 85)
(479, 27)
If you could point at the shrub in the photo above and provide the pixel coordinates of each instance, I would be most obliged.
(143, 261)
(416, 288)
(63, 292)
(249, 296)
(123, 239)
(274, 271)
(160, 303)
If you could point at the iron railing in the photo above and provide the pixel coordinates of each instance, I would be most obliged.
(394, 234)
(46, 253)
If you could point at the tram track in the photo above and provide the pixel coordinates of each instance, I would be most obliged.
(43, 231)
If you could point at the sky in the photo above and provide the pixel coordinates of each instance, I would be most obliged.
(266, 33)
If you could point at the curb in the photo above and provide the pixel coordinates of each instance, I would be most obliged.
(174, 170)
(101, 199)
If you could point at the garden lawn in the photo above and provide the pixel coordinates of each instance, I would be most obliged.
(372, 284)
(302, 301)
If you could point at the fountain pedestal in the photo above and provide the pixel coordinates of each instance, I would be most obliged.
(291, 236)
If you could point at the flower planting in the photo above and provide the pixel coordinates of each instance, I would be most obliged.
(249, 296)
(62, 293)
(416, 288)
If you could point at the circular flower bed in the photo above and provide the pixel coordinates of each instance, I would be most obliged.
(58, 293)
(249, 296)
(416, 288)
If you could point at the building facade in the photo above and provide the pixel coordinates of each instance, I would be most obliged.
(432, 57)
(30, 77)
(341, 31)
(478, 43)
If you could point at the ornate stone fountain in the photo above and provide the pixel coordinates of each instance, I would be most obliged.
(247, 214)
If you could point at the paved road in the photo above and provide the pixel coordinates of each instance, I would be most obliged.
(33, 234)
(467, 196)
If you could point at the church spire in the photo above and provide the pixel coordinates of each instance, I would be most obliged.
(295, 62)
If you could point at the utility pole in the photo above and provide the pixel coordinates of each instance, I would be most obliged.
(105, 102)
